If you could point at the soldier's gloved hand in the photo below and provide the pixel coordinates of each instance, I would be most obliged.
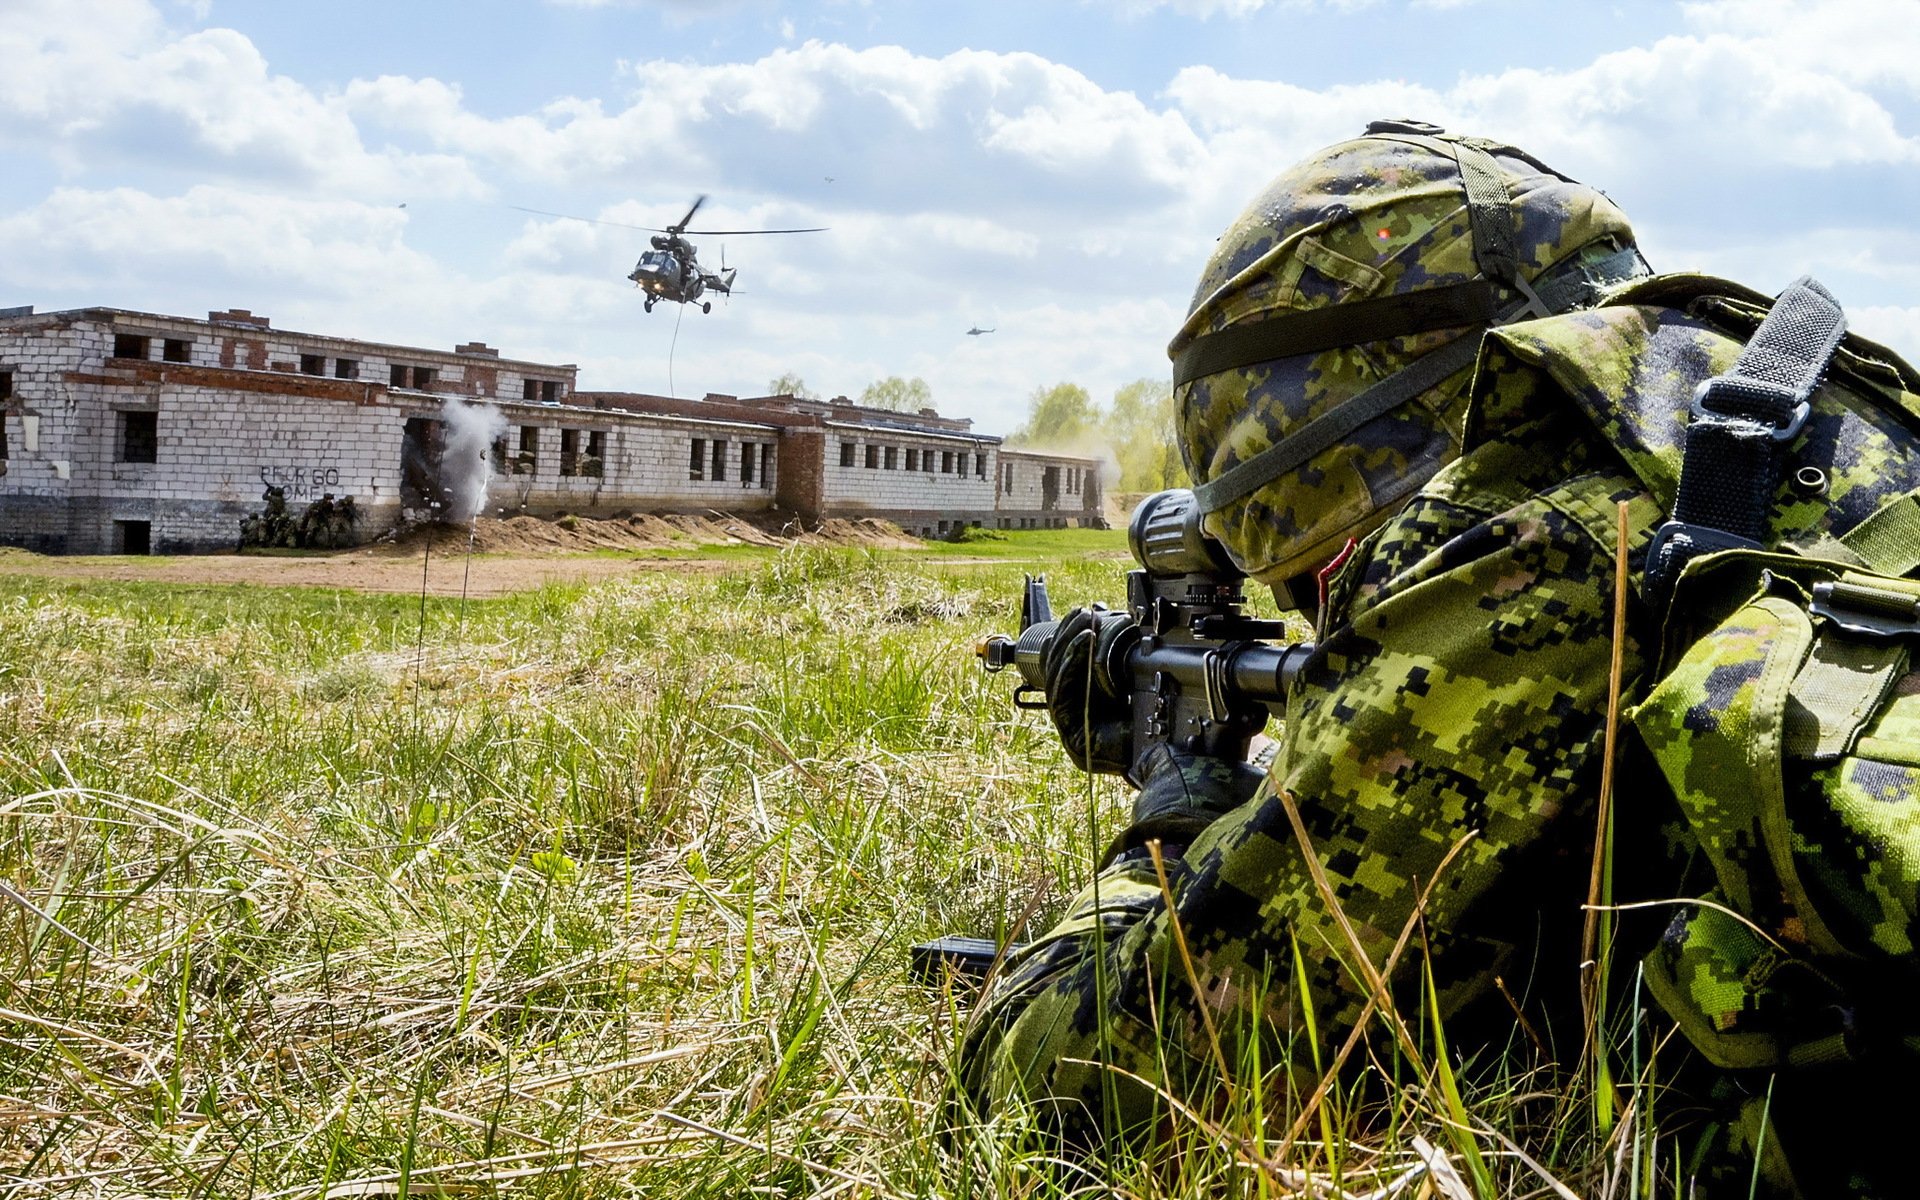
(1180, 795)
(1094, 723)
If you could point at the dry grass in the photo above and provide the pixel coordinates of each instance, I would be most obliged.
(604, 892)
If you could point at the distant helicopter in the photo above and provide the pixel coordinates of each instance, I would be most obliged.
(976, 331)
(671, 270)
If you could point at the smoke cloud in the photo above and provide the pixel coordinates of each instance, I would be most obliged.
(467, 437)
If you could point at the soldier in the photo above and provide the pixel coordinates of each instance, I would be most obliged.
(1324, 379)
(270, 526)
(345, 516)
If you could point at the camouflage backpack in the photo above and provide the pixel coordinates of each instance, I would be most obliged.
(1784, 708)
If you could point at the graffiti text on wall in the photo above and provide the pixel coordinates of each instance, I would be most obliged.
(302, 483)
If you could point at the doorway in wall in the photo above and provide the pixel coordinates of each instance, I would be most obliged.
(133, 537)
(420, 463)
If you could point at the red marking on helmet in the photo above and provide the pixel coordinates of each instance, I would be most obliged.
(1384, 234)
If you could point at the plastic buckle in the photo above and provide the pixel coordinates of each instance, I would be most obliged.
(1676, 543)
(1759, 396)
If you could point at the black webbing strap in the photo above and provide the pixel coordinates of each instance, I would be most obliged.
(1739, 428)
(1489, 211)
(1312, 330)
(1574, 284)
(1568, 285)
(1331, 427)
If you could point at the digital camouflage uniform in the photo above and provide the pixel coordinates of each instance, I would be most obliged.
(1460, 687)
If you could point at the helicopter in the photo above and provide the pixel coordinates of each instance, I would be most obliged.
(671, 270)
(976, 331)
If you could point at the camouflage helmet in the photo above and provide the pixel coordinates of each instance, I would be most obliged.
(1321, 374)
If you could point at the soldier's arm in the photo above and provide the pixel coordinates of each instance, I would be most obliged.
(1465, 693)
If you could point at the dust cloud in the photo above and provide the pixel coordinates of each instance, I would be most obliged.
(469, 433)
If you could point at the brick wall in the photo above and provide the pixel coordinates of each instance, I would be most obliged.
(1045, 491)
(898, 472)
(648, 464)
(225, 426)
(802, 474)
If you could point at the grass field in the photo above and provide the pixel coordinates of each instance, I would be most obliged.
(595, 889)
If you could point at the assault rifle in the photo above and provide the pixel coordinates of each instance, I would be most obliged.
(1201, 675)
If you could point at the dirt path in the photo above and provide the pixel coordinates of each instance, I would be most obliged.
(358, 570)
(512, 555)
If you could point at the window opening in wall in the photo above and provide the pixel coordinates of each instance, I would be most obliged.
(528, 459)
(873, 458)
(500, 455)
(926, 459)
(1006, 478)
(719, 460)
(550, 391)
(595, 463)
(139, 437)
(129, 345)
(397, 376)
(313, 364)
(3, 441)
(980, 465)
(423, 378)
(846, 454)
(346, 368)
(946, 462)
(891, 460)
(133, 537)
(913, 459)
(697, 460)
(747, 458)
(569, 451)
(766, 464)
(176, 350)
(529, 390)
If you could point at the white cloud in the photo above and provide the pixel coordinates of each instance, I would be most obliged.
(1890, 325)
(1873, 42)
(1001, 188)
(106, 80)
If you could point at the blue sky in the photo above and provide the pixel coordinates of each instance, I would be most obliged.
(1055, 169)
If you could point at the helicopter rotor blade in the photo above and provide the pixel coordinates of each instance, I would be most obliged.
(750, 232)
(680, 226)
(541, 212)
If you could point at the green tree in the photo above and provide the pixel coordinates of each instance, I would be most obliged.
(1059, 416)
(1139, 427)
(790, 384)
(898, 395)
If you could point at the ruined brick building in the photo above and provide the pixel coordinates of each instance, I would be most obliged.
(127, 432)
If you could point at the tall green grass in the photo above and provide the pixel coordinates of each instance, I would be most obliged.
(590, 890)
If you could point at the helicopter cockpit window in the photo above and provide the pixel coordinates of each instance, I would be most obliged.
(657, 259)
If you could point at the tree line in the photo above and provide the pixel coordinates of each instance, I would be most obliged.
(1134, 431)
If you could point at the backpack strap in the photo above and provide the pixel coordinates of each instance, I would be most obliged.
(1738, 431)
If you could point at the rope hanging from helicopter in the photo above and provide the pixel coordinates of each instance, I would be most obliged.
(672, 346)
